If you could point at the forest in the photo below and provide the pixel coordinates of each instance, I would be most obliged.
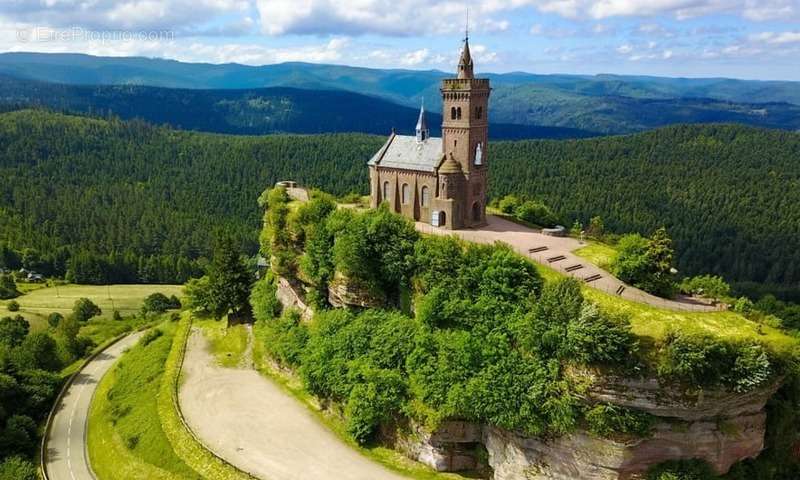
(109, 189)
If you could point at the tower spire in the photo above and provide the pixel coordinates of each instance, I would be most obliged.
(422, 124)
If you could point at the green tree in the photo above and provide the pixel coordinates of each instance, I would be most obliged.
(17, 468)
(229, 279)
(646, 263)
(13, 331)
(8, 288)
(54, 319)
(84, 309)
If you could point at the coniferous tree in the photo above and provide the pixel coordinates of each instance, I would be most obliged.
(229, 279)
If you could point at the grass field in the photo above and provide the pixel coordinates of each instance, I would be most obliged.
(599, 254)
(227, 344)
(125, 436)
(36, 305)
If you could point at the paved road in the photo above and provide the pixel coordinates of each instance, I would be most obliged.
(250, 422)
(523, 239)
(67, 456)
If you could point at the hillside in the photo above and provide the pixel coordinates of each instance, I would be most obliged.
(729, 195)
(247, 112)
(608, 104)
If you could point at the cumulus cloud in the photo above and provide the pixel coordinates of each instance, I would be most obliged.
(120, 14)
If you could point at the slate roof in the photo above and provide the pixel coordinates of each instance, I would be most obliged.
(405, 153)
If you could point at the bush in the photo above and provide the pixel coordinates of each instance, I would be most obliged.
(84, 309)
(708, 286)
(605, 420)
(54, 319)
(536, 213)
(17, 468)
(286, 338)
(702, 360)
(157, 303)
(646, 263)
(150, 336)
(263, 299)
(682, 470)
(599, 338)
(117, 316)
(509, 204)
(13, 306)
(375, 398)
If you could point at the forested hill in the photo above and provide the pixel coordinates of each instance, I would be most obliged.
(246, 112)
(607, 104)
(729, 195)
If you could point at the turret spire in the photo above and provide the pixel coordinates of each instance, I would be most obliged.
(422, 124)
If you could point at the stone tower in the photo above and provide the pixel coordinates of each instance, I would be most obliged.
(465, 135)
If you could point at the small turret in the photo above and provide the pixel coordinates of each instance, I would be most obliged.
(422, 126)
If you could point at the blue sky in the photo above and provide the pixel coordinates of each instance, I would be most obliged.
(754, 39)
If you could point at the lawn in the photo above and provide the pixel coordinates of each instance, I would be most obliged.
(125, 436)
(36, 305)
(599, 254)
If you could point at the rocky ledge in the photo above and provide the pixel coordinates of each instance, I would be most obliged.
(719, 427)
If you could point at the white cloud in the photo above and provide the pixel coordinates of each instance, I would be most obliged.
(774, 38)
(624, 49)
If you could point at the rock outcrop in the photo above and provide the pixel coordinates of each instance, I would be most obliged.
(719, 427)
(453, 447)
(345, 292)
(290, 297)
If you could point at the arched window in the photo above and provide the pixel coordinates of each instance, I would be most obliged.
(426, 196)
(478, 113)
(458, 113)
(452, 113)
(385, 191)
(406, 194)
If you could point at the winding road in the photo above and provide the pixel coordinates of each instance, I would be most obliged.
(253, 424)
(67, 455)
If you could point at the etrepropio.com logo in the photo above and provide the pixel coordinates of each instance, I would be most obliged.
(80, 34)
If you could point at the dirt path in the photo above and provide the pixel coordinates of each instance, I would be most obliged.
(250, 422)
(550, 253)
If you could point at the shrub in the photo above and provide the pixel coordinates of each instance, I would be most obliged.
(13, 306)
(286, 338)
(605, 420)
(157, 303)
(84, 309)
(263, 300)
(703, 360)
(681, 470)
(377, 395)
(599, 338)
(536, 213)
(54, 319)
(509, 204)
(646, 263)
(117, 316)
(150, 336)
(708, 286)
